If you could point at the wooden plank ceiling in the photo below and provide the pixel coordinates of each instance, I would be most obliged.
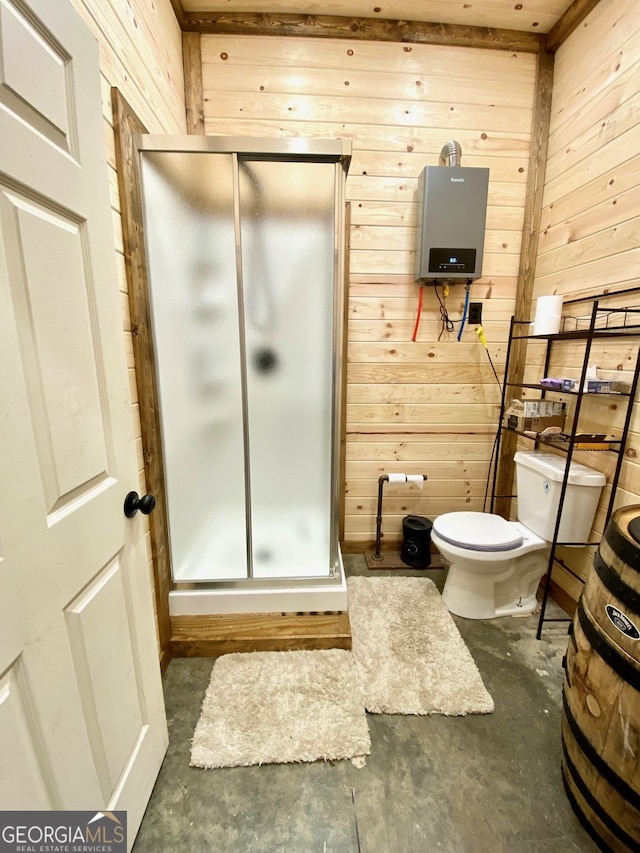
(536, 16)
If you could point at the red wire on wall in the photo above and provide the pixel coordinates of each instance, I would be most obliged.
(418, 314)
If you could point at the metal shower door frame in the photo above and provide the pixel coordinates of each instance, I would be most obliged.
(283, 150)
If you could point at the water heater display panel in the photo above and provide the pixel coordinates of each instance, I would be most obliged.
(452, 260)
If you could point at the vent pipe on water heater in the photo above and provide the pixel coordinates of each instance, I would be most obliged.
(451, 153)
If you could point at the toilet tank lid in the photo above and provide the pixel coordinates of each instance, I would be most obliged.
(553, 467)
(478, 531)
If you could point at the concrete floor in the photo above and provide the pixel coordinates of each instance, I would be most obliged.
(476, 784)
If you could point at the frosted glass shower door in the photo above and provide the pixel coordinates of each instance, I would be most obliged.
(191, 253)
(287, 228)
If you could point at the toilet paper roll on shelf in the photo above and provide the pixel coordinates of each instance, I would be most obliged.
(548, 315)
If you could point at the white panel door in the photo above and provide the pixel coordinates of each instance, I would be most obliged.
(82, 722)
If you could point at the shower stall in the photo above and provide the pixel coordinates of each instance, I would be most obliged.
(245, 258)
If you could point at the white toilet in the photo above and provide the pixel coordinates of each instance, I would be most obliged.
(496, 565)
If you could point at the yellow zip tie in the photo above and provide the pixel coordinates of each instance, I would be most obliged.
(481, 336)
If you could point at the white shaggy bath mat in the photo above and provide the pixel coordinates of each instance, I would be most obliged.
(281, 707)
(410, 654)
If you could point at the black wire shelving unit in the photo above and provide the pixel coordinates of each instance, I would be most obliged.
(604, 323)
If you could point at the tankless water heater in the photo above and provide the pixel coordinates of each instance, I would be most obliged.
(452, 211)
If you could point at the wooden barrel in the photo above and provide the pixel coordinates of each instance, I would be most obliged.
(601, 701)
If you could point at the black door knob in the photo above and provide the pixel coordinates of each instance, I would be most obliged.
(132, 503)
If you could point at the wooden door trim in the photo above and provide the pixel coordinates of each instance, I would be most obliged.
(126, 125)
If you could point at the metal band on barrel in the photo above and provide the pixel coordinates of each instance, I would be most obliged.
(609, 654)
(616, 586)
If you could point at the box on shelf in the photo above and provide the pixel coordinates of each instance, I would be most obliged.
(585, 441)
(534, 415)
(598, 386)
(559, 384)
(595, 441)
(541, 408)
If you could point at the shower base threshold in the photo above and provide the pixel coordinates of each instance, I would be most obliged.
(322, 594)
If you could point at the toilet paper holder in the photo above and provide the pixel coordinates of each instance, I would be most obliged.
(391, 478)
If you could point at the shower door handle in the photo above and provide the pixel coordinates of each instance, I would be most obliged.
(132, 503)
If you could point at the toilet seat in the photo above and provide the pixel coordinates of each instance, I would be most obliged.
(478, 531)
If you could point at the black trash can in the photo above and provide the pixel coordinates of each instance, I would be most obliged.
(416, 541)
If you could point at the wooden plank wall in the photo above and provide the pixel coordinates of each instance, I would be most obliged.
(429, 406)
(590, 238)
(140, 47)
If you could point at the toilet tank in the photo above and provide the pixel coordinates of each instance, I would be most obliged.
(539, 482)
